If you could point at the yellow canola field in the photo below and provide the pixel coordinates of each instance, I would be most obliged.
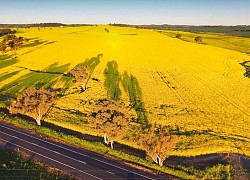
(189, 86)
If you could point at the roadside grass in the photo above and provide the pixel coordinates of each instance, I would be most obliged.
(240, 44)
(218, 171)
(14, 166)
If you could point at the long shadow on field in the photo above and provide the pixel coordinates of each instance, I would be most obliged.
(46, 78)
(7, 60)
(133, 89)
(112, 79)
(41, 42)
(7, 75)
(247, 67)
(92, 62)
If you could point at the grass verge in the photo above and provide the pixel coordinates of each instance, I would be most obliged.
(15, 165)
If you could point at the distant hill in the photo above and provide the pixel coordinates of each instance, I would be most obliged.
(239, 30)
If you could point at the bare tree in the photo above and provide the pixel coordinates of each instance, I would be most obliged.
(198, 39)
(110, 118)
(158, 143)
(34, 103)
(81, 75)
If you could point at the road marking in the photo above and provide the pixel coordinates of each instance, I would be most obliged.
(110, 172)
(50, 158)
(77, 153)
(43, 147)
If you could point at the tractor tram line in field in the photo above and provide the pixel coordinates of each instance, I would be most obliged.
(176, 94)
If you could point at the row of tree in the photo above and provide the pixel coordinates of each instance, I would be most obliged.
(113, 119)
(109, 117)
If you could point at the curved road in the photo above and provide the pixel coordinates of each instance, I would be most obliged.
(78, 162)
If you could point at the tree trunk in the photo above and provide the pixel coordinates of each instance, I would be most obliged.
(38, 119)
(111, 144)
(155, 160)
(159, 160)
(105, 138)
(83, 86)
(38, 122)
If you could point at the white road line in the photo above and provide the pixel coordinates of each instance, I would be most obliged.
(43, 148)
(110, 172)
(78, 153)
(50, 158)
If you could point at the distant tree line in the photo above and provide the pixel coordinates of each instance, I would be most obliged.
(41, 25)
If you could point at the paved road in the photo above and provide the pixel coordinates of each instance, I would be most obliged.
(79, 162)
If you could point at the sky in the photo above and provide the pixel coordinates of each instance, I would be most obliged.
(184, 12)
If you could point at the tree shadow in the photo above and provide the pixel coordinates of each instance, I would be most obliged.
(92, 63)
(7, 60)
(247, 67)
(46, 78)
(112, 80)
(41, 42)
(133, 89)
(7, 75)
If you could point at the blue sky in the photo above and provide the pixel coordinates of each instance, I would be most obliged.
(192, 12)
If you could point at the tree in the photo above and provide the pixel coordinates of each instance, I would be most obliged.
(178, 36)
(26, 40)
(37, 42)
(34, 103)
(81, 75)
(198, 39)
(3, 47)
(158, 143)
(106, 29)
(110, 117)
(12, 42)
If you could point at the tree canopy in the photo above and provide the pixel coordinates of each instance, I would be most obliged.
(81, 75)
(34, 103)
(110, 118)
(158, 143)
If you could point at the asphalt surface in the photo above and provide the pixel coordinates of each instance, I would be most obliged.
(76, 161)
